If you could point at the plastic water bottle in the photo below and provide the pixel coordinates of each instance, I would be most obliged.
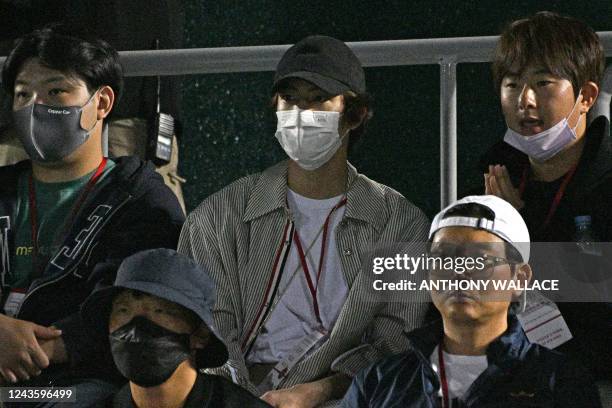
(584, 235)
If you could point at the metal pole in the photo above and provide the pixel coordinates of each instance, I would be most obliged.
(264, 58)
(448, 131)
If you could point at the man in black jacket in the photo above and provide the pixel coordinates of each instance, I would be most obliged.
(68, 216)
(551, 165)
(478, 355)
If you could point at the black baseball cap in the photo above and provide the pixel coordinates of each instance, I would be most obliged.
(325, 62)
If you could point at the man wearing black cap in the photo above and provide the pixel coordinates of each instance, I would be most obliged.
(159, 315)
(284, 245)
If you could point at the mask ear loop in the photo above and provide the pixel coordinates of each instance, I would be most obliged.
(579, 114)
(105, 140)
(105, 152)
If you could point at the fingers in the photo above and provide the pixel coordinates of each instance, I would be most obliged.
(38, 355)
(21, 373)
(503, 181)
(498, 182)
(30, 361)
(8, 376)
(270, 398)
(46, 333)
(27, 366)
(494, 188)
(5, 377)
(487, 184)
(22, 357)
(505, 176)
(267, 397)
(493, 183)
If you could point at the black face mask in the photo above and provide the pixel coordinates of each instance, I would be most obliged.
(146, 353)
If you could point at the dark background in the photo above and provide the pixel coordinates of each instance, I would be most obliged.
(229, 129)
(228, 126)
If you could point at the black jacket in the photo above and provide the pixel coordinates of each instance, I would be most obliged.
(209, 391)
(519, 374)
(129, 210)
(588, 193)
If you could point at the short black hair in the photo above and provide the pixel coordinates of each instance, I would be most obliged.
(354, 105)
(70, 50)
(476, 210)
(565, 46)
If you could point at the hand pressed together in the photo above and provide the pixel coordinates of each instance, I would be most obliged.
(309, 395)
(298, 396)
(498, 183)
(22, 355)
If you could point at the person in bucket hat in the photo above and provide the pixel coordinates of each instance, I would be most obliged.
(159, 318)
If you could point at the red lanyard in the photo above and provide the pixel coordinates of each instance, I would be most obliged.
(298, 243)
(271, 288)
(34, 212)
(443, 381)
(558, 195)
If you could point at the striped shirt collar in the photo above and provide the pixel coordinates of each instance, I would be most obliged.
(270, 192)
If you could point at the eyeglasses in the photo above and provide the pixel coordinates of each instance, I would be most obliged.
(476, 266)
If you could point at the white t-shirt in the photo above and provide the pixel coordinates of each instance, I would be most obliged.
(461, 372)
(293, 318)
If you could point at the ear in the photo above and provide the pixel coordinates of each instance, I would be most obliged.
(106, 102)
(353, 118)
(589, 92)
(200, 338)
(524, 275)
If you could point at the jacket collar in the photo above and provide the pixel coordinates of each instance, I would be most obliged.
(125, 173)
(9, 176)
(511, 345)
(269, 193)
(594, 168)
(127, 180)
(365, 198)
(199, 396)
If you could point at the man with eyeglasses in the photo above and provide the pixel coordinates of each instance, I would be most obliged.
(478, 354)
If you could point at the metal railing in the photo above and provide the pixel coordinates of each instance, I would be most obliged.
(446, 52)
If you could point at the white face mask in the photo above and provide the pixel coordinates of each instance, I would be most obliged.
(310, 138)
(546, 144)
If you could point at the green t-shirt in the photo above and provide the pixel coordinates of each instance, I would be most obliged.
(54, 204)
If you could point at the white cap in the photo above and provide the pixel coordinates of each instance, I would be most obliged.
(507, 224)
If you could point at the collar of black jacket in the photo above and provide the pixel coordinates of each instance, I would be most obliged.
(129, 179)
(512, 345)
(199, 396)
(126, 169)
